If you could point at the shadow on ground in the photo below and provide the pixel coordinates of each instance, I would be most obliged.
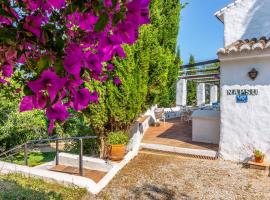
(156, 193)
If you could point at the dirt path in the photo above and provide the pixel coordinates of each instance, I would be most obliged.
(166, 177)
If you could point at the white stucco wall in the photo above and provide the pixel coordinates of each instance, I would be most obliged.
(246, 20)
(245, 125)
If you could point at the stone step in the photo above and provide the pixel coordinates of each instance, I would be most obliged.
(174, 153)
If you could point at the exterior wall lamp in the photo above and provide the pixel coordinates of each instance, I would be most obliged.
(253, 74)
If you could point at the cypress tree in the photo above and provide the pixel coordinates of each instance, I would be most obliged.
(148, 74)
(191, 86)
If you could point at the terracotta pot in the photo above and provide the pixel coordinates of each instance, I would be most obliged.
(117, 152)
(259, 159)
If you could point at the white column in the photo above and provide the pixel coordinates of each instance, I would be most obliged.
(213, 94)
(181, 92)
(200, 94)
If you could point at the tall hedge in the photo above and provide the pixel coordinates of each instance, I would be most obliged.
(148, 74)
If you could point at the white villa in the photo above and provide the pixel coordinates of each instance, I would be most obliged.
(244, 119)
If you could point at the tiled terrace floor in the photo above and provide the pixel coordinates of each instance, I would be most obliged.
(175, 133)
(92, 174)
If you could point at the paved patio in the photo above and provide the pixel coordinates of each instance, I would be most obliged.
(175, 133)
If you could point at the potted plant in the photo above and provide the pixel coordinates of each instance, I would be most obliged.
(258, 156)
(117, 141)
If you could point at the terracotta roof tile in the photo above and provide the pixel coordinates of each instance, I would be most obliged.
(246, 46)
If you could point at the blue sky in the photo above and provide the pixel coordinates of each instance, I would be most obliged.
(201, 33)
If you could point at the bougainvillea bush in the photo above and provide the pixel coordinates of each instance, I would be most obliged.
(58, 45)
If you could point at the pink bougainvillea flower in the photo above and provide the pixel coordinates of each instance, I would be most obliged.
(7, 70)
(57, 4)
(94, 97)
(104, 78)
(138, 12)
(71, 84)
(85, 21)
(5, 20)
(74, 59)
(10, 56)
(33, 24)
(117, 81)
(48, 81)
(57, 112)
(110, 46)
(126, 32)
(37, 101)
(75, 43)
(93, 62)
(32, 4)
(81, 98)
(40, 100)
(51, 126)
(8, 20)
(107, 3)
(110, 67)
(26, 103)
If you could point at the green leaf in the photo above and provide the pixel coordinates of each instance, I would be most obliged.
(43, 63)
(59, 67)
(117, 17)
(102, 22)
(7, 35)
(5, 14)
(60, 43)
(27, 91)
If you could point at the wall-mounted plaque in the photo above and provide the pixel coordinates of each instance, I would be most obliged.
(241, 99)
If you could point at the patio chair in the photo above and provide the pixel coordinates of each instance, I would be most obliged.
(160, 115)
(186, 115)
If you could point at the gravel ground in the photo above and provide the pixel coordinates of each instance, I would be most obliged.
(171, 177)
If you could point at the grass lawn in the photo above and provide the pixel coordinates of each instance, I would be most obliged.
(34, 158)
(17, 187)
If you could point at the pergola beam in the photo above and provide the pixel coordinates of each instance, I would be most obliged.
(199, 70)
(200, 63)
(207, 81)
(204, 78)
(199, 76)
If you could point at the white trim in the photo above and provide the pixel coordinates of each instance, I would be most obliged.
(243, 57)
(219, 14)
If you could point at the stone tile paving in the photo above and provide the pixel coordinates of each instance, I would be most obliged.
(175, 133)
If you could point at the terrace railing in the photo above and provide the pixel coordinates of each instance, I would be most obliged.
(29, 144)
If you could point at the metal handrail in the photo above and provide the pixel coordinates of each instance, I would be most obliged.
(31, 142)
(10, 150)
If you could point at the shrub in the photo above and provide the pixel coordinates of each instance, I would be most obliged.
(118, 137)
(17, 128)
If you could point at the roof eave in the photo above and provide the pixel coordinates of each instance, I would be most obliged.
(220, 17)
